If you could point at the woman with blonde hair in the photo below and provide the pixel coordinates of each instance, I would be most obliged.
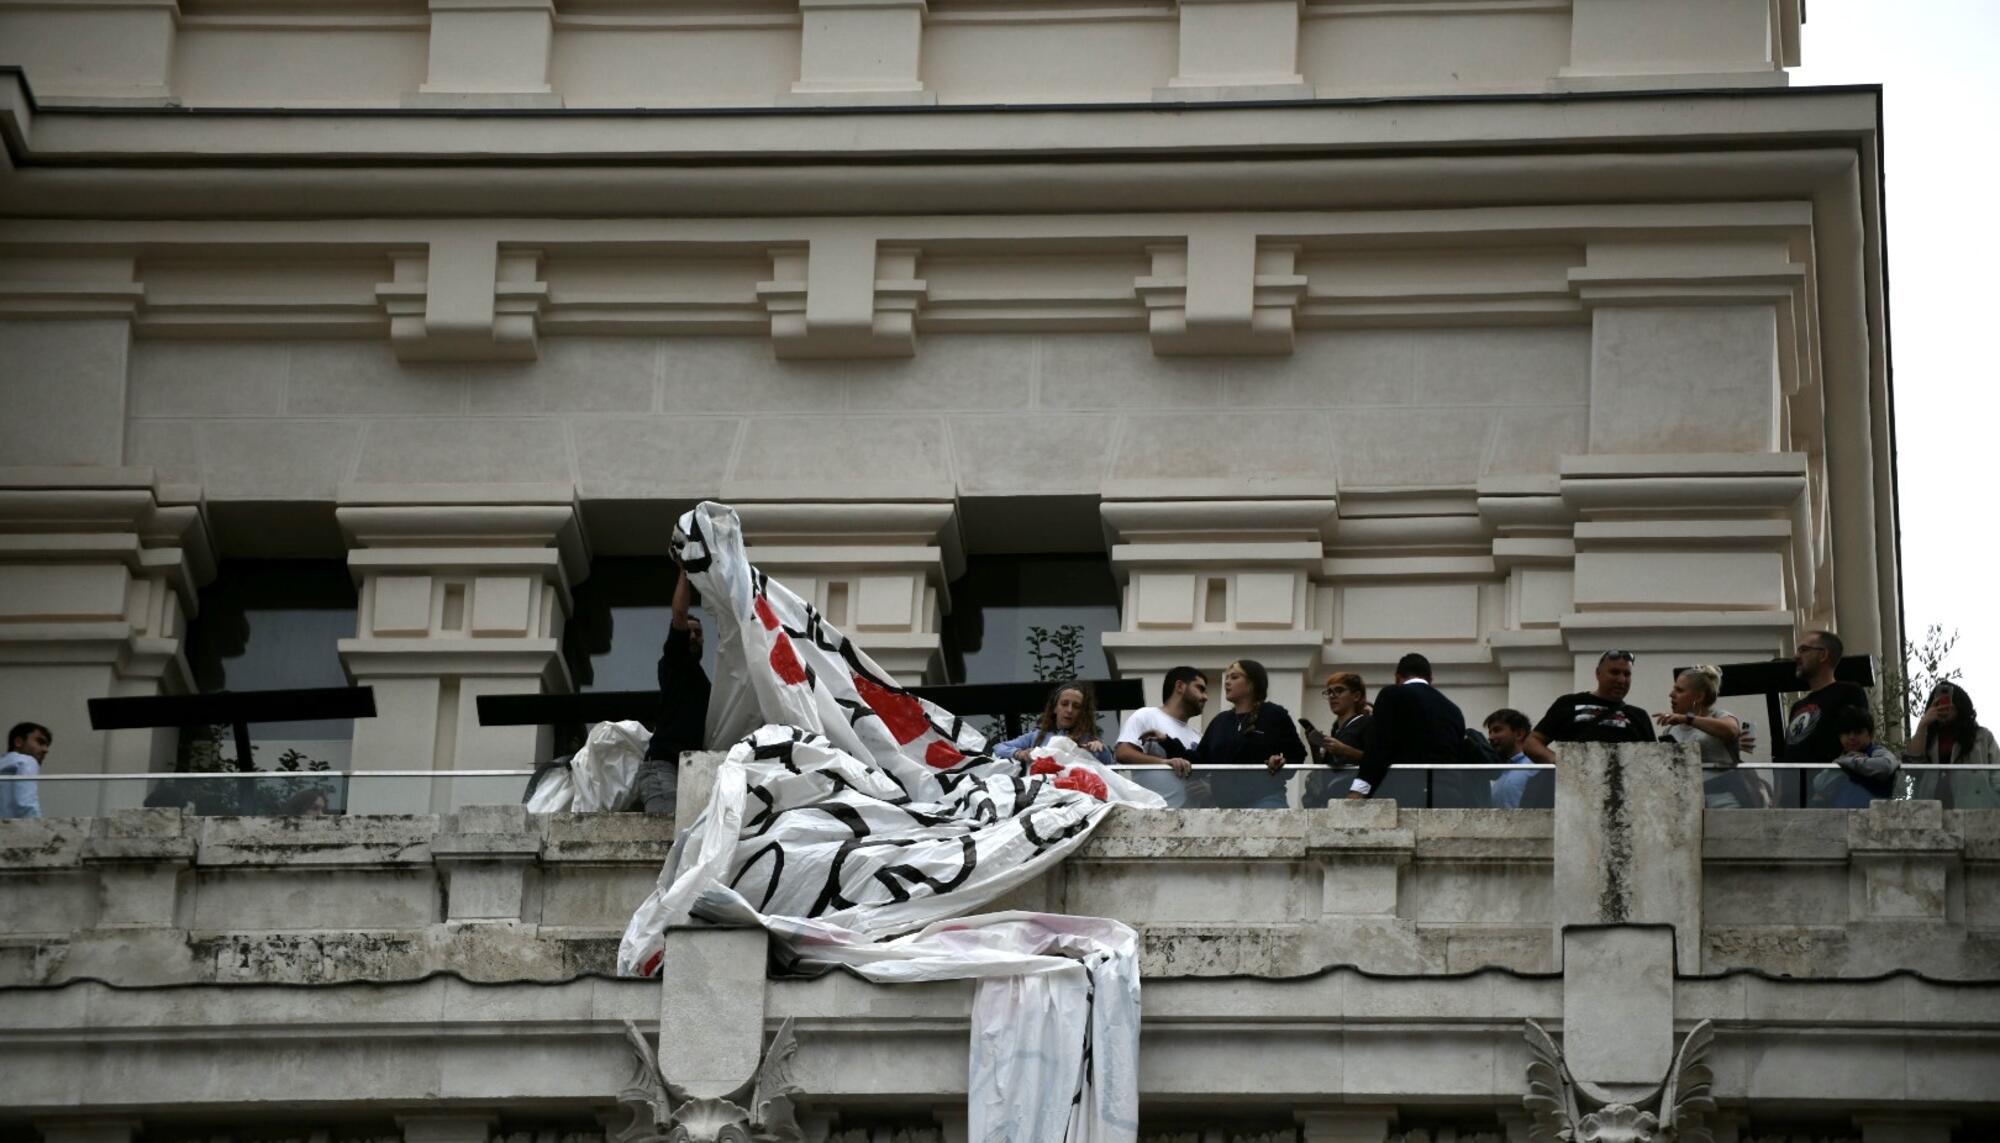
(1718, 734)
(1070, 712)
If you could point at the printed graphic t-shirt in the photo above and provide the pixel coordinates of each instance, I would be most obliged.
(1809, 734)
(1583, 717)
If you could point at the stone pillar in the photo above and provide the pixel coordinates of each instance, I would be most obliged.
(462, 594)
(105, 53)
(877, 571)
(1238, 49)
(98, 571)
(1618, 1007)
(1696, 535)
(1628, 840)
(1905, 868)
(143, 859)
(489, 53)
(1705, 42)
(1209, 581)
(712, 1009)
(1682, 560)
(1362, 851)
(1409, 574)
(1534, 550)
(487, 856)
(861, 51)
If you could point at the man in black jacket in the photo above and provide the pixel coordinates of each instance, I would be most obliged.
(1412, 723)
(683, 716)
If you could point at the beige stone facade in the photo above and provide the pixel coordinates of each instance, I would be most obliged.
(1505, 331)
(1508, 331)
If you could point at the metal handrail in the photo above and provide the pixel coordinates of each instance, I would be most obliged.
(295, 775)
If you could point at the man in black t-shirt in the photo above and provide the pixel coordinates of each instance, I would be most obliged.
(1811, 734)
(1600, 715)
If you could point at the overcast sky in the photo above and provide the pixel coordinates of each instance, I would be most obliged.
(1935, 61)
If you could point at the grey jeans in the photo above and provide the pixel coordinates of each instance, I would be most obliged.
(659, 784)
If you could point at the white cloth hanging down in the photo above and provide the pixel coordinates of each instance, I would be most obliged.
(862, 826)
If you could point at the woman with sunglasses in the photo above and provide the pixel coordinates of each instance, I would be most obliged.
(1347, 698)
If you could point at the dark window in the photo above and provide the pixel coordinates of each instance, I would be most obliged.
(990, 635)
(619, 622)
(270, 625)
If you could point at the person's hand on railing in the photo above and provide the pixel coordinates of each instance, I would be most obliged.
(1274, 763)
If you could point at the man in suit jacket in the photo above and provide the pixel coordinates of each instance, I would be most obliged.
(1412, 722)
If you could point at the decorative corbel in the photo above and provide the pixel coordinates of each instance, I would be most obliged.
(660, 1111)
(843, 296)
(1222, 294)
(464, 299)
(1570, 1110)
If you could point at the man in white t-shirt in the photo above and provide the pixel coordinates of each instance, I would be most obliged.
(1182, 697)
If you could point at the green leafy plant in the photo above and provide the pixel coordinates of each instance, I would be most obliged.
(1056, 653)
(203, 751)
(1905, 685)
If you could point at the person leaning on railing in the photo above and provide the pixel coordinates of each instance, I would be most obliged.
(27, 748)
(1949, 732)
(1071, 712)
(1253, 731)
(1347, 699)
(1693, 717)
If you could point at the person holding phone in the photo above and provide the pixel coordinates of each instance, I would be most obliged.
(1347, 698)
(1949, 732)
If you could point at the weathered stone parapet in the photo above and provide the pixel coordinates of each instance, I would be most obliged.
(497, 893)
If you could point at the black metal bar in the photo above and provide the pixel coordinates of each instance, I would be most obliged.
(1430, 797)
(1780, 676)
(551, 710)
(244, 756)
(232, 708)
(1007, 700)
(1000, 698)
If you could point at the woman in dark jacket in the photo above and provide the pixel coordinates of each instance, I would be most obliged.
(1251, 731)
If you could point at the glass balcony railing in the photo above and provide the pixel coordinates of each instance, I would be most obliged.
(312, 793)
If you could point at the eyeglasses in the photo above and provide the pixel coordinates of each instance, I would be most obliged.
(1608, 656)
(1806, 647)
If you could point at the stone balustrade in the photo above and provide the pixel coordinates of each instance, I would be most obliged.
(498, 894)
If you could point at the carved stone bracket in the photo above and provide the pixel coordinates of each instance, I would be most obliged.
(660, 1111)
(1567, 1109)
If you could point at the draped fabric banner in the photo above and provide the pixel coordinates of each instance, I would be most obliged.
(862, 825)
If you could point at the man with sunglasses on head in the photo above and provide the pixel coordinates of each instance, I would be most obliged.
(1812, 733)
(1597, 715)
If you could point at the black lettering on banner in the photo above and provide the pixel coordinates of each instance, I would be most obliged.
(777, 852)
(889, 875)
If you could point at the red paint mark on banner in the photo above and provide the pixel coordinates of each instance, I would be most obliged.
(942, 755)
(1045, 766)
(902, 714)
(1086, 782)
(767, 616)
(785, 662)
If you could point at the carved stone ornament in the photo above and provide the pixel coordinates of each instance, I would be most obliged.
(1569, 1110)
(662, 1112)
